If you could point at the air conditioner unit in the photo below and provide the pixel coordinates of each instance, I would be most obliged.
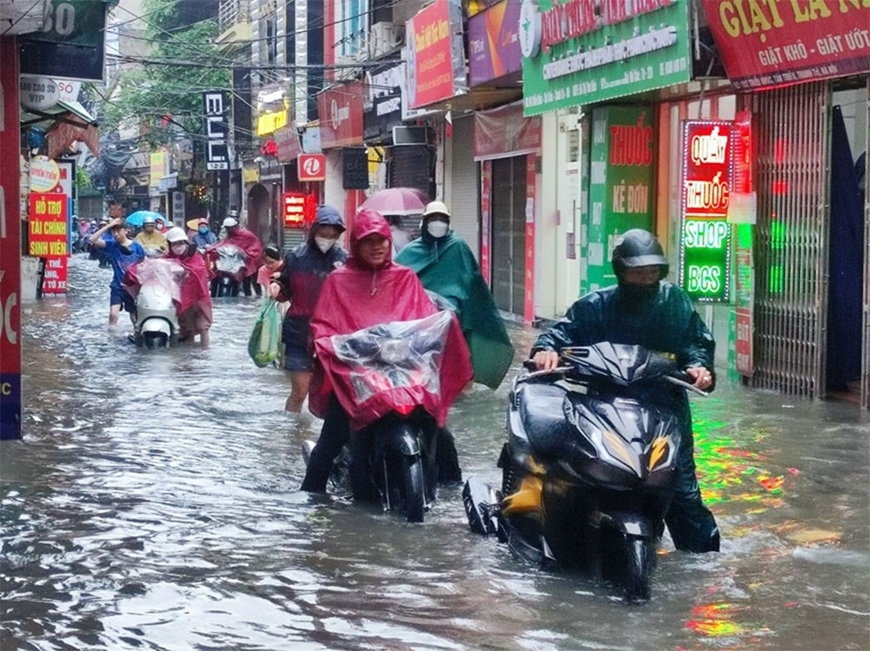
(385, 37)
(410, 135)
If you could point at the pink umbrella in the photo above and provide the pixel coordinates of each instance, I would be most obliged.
(397, 201)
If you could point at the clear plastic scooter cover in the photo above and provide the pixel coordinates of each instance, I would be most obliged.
(230, 259)
(163, 272)
(393, 355)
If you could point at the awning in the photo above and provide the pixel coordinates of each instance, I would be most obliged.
(64, 123)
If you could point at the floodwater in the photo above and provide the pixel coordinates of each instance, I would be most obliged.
(153, 504)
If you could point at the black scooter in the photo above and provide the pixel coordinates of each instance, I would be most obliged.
(588, 467)
(392, 461)
(229, 266)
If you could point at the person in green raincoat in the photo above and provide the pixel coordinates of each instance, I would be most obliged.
(445, 265)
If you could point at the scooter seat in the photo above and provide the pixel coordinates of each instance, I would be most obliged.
(541, 408)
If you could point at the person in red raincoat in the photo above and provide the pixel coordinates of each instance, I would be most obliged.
(250, 244)
(368, 290)
(194, 309)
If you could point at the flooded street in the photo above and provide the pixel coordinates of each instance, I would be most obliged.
(153, 504)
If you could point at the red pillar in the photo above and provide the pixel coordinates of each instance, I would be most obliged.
(10, 244)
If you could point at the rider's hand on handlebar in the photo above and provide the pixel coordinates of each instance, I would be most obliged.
(702, 377)
(546, 360)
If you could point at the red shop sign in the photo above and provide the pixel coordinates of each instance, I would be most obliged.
(311, 167)
(340, 109)
(779, 43)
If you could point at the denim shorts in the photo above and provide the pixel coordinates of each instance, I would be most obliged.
(296, 358)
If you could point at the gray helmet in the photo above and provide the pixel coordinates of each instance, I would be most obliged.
(638, 248)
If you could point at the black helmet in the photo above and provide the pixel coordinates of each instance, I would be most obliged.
(638, 248)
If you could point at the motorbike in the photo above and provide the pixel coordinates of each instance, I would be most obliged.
(159, 282)
(588, 466)
(392, 370)
(228, 267)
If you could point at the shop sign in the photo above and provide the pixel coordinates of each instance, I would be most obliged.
(341, 115)
(504, 132)
(298, 209)
(435, 54)
(44, 174)
(493, 43)
(47, 226)
(311, 167)
(382, 108)
(287, 142)
(622, 152)
(268, 123)
(70, 45)
(766, 44)
(705, 187)
(55, 275)
(38, 93)
(214, 103)
(157, 168)
(250, 174)
(575, 53)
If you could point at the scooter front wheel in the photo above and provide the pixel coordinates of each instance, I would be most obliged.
(415, 497)
(640, 557)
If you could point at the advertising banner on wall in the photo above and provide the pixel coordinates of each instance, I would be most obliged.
(504, 131)
(435, 54)
(766, 44)
(493, 43)
(215, 109)
(574, 54)
(70, 45)
(705, 187)
(620, 185)
(341, 115)
(48, 237)
(287, 143)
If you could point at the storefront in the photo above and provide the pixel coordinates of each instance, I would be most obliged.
(806, 84)
(507, 146)
(341, 136)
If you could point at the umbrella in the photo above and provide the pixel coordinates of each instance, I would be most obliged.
(397, 201)
(138, 218)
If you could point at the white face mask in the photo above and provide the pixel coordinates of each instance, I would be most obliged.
(437, 228)
(324, 243)
(179, 249)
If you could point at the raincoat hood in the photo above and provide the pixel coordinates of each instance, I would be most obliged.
(368, 222)
(325, 216)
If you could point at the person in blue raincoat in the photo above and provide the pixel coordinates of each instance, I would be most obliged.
(645, 310)
(301, 278)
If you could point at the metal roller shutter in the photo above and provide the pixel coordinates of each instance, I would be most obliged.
(465, 201)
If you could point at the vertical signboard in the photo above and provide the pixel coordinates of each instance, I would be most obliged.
(705, 185)
(529, 280)
(217, 155)
(620, 185)
(742, 213)
(485, 218)
(10, 245)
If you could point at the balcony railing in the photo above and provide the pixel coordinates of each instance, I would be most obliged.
(233, 12)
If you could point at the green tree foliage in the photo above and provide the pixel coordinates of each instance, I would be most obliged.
(165, 93)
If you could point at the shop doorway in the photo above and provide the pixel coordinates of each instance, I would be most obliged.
(258, 212)
(508, 233)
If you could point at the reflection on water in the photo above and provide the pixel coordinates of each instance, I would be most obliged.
(153, 504)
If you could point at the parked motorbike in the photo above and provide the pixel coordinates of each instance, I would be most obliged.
(588, 468)
(392, 369)
(159, 291)
(228, 267)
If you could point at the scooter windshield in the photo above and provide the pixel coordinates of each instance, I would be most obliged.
(230, 259)
(163, 272)
(389, 356)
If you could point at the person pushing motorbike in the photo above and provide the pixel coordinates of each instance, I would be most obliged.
(644, 309)
(370, 289)
(301, 278)
(249, 243)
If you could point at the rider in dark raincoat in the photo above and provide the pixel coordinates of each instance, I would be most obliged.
(445, 265)
(647, 311)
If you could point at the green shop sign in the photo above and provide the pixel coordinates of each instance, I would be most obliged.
(705, 188)
(584, 51)
(620, 189)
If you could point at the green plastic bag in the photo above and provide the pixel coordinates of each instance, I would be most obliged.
(264, 345)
